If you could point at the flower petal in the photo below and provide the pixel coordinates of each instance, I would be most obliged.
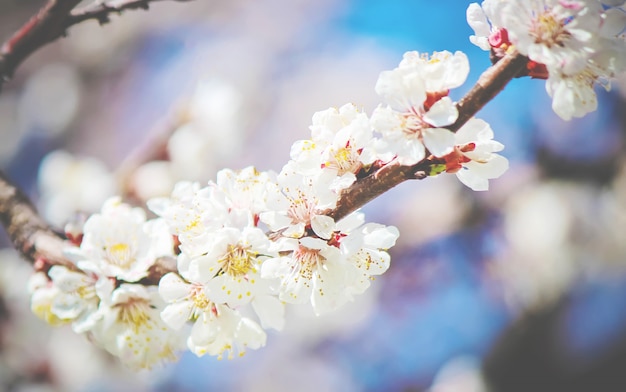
(439, 141)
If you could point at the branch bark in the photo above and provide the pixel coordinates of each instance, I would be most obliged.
(51, 23)
(44, 27)
(102, 11)
(28, 232)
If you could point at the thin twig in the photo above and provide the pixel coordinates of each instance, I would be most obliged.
(51, 23)
(44, 27)
(102, 11)
(490, 83)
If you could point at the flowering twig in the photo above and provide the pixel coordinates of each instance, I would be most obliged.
(35, 239)
(39, 243)
(51, 23)
(490, 83)
(28, 232)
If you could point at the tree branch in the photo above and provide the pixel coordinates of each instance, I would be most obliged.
(39, 244)
(44, 27)
(102, 11)
(51, 23)
(28, 232)
(490, 83)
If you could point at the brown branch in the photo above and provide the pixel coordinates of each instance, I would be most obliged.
(490, 83)
(51, 23)
(28, 232)
(102, 11)
(46, 26)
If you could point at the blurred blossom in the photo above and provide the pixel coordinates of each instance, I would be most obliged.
(460, 374)
(295, 366)
(33, 353)
(538, 266)
(210, 132)
(94, 46)
(191, 151)
(217, 106)
(152, 179)
(68, 351)
(434, 209)
(303, 328)
(69, 184)
(51, 98)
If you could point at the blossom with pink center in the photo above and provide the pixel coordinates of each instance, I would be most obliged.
(296, 203)
(313, 271)
(418, 106)
(474, 160)
(574, 44)
(341, 143)
(217, 328)
(120, 243)
(365, 246)
(557, 33)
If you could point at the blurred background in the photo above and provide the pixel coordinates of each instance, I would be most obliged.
(516, 289)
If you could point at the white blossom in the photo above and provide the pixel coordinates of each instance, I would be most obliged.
(128, 325)
(341, 143)
(297, 202)
(474, 159)
(365, 246)
(225, 330)
(573, 93)
(241, 194)
(77, 296)
(120, 243)
(234, 263)
(419, 108)
(44, 294)
(189, 216)
(69, 184)
(312, 272)
(574, 44)
(556, 33)
(216, 327)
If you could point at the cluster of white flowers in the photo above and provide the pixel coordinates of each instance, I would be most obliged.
(574, 44)
(251, 242)
(104, 298)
